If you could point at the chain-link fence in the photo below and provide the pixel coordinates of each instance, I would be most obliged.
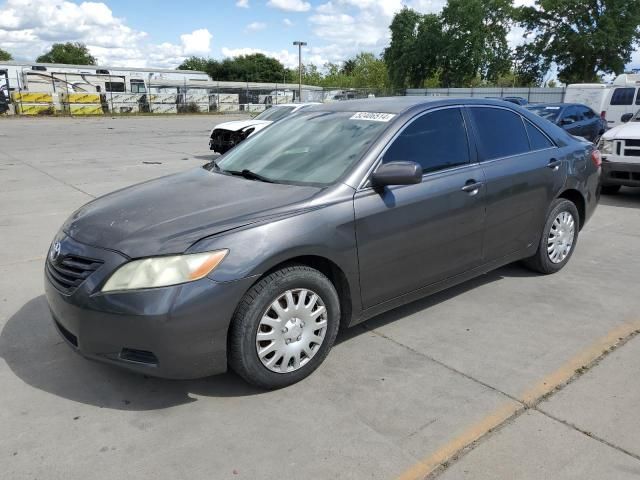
(74, 94)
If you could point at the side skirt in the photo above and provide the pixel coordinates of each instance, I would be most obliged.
(442, 285)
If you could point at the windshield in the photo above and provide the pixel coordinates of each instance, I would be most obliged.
(310, 148)
(274, 114)
(550, 112)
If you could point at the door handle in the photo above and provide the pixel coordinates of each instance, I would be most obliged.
(554, 164)
(472, 187)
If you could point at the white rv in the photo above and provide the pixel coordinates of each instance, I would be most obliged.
(592, 95)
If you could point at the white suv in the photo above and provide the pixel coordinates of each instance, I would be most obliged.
(620, 148)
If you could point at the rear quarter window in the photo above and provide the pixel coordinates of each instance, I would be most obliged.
(537, 139)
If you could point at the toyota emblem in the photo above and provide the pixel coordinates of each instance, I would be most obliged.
(54, 252)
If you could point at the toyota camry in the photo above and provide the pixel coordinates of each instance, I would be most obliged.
(329, 217)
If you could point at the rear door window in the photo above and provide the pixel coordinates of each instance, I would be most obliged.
(501, 132)
(436, 141)
(571, 114)
(623, 96)
(638, 97)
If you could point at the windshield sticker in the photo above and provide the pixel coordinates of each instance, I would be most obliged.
(373, 117)
(552, 108)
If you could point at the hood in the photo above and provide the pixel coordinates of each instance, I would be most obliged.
(629, 130)
(169, 214)
(242, 124)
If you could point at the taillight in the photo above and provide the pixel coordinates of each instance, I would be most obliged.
(596, 157)
(603, 114)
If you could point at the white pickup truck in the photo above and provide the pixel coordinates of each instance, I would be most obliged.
(620, 148)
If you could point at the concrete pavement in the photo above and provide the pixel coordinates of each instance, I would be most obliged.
(395, 392)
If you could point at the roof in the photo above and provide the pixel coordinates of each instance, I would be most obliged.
(401, 104)
(557, 104)
(14, 63)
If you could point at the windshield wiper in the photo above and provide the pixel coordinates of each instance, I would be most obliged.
(246, 173)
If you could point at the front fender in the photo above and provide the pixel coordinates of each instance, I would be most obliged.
(327, 232)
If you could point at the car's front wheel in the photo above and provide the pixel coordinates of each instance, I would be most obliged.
(284, 327)
(559, 238)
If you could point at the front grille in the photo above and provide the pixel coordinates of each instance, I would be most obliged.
(139, 356)
(635, 176)
(632, 153)
(226, 138)
(632, 143)
(69, 271)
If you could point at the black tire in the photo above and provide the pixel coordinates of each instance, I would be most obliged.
(243, 357)
(610, 189)
(540, 262)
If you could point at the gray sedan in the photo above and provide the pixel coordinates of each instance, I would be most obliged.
(327, 218)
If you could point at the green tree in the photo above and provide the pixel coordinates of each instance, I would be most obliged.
(311, 75)
(5, 56)
(348, 66)
(369, 71)
(247, 68)
(196, 63)
(428, 52)
(70, 53)
(475, 47)
(401, 56)
(584, 38)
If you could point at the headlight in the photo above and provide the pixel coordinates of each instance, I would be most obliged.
(164, 271)
(606, 147)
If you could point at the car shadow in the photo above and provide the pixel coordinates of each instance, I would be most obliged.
(33, 350)
(627, 197)
(206, 158)
(36, 354)
(514, 270)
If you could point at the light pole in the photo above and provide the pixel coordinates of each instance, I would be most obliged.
(300, 45)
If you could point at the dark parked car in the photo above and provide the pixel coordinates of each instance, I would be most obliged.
(325, 219)
(575, 118)
(517, 100)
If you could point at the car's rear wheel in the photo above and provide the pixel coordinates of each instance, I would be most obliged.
(558, 239)
(284, 327)
(610, 189)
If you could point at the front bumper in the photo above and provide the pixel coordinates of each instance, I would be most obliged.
(171, 332)
(618, 173)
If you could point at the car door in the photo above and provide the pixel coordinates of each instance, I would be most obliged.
(523, 172)
(570, 120)
(414, 235)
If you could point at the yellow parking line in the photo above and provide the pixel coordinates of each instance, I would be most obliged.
(445, 453)
(529, 398)
(562, 375)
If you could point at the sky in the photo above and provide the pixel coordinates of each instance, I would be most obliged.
(161, 33)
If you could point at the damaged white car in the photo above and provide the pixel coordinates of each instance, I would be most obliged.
(227, 135)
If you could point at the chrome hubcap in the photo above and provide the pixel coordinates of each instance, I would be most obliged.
(561, 236)
(291, 330)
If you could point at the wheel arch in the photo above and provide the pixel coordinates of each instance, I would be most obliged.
(332, 271)
(576, 197)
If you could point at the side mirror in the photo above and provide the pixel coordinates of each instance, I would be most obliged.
(567, 121)
(626, 117)
(397, 173)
